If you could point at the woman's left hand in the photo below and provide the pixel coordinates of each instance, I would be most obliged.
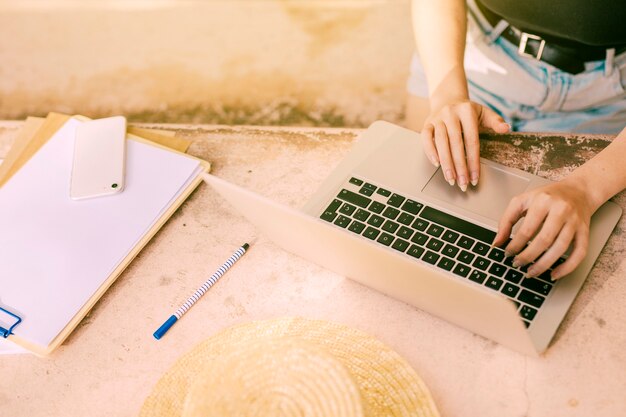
(554, 216)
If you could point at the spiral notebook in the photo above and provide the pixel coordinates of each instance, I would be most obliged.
(57, 255)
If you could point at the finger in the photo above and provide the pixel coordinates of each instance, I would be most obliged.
(581, 242)
(490, 120)
(469, 122)
(554, 252)
(457, 149)
(428, 143)
(535, 216)
(443, 150)
(550, 229)
(513, 212)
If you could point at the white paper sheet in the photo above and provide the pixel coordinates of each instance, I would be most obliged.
(56, 252)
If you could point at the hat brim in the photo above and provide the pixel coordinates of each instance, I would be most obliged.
(387, 383)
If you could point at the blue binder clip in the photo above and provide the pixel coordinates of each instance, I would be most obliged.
(6, 332)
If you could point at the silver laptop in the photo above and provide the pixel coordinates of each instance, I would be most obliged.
(387, 218)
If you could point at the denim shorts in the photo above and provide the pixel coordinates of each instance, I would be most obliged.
(533, 96)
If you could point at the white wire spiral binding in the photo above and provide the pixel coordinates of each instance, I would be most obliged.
(209, 283)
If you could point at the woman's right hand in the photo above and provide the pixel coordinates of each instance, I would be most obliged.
(450, 138)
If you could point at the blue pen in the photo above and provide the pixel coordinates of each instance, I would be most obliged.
(200, 291)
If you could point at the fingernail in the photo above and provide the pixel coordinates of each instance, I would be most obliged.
(531, 272)
(516, 263)
(509, 126)
(474, 178)
(554, 276)
(507, 253)
(463, 183)
(435, 161)
(449, 177)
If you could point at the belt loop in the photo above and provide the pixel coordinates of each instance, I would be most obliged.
(608, 63)
(497, 31)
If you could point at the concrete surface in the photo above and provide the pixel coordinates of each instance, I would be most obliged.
(110, 363)
(262, 62)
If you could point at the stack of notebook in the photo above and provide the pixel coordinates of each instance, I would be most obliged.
(58, 255)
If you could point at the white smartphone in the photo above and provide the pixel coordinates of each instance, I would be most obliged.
(99, 158)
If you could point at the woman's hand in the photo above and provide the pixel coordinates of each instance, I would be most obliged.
(554, 216)
(450, 134)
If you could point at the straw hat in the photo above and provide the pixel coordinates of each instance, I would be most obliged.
(290, 367)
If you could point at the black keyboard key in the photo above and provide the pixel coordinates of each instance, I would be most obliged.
(334, 205)
(465, 242)
(415, 251)
(461, 270)
(508, 261)
(528, 313)
(430, 257)
(395, 200)
(537, 286)
(369, 186)
(446, 263)
(376, 220)
(496, 255)
(481, 263)
(477, 276)
(530, 298)
(400, 245)
(406, 218)
(510, 290)
(545, 276)
(347, 209)
(480, 248)
(412, 207)
(356, 227)
(361, 214)
(366, 191)
(376, 207)
(383, 192)
(434, 244)
(450, 250)
(420, 224)
(527, 324)
(514, 276)
(391, 213)
(371, 233)
(419, 238)
(342, 221)
(329, 216)
(458, 225)
(494, 283)
(385, 239)
(356, 181)
(405, 232)
(435, 230)
(450, 236)
(466, 257)
(497, 269)
(354, 198)
(390, 226)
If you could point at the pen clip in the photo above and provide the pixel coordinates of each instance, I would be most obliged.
(6, 332)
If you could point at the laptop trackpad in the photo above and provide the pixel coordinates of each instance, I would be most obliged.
(489, 198)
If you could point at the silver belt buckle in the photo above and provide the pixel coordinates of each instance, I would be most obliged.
(524, 41)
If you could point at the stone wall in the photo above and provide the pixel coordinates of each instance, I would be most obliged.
(266, 62)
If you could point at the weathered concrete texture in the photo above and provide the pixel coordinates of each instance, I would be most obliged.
(266, 62)
(110, 363)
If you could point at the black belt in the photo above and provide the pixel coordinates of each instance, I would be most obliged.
(568, 58)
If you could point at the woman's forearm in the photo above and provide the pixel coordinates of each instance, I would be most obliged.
(439, 28)
(604, 175)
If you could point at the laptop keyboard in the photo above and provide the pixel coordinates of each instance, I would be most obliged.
(440, 239)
